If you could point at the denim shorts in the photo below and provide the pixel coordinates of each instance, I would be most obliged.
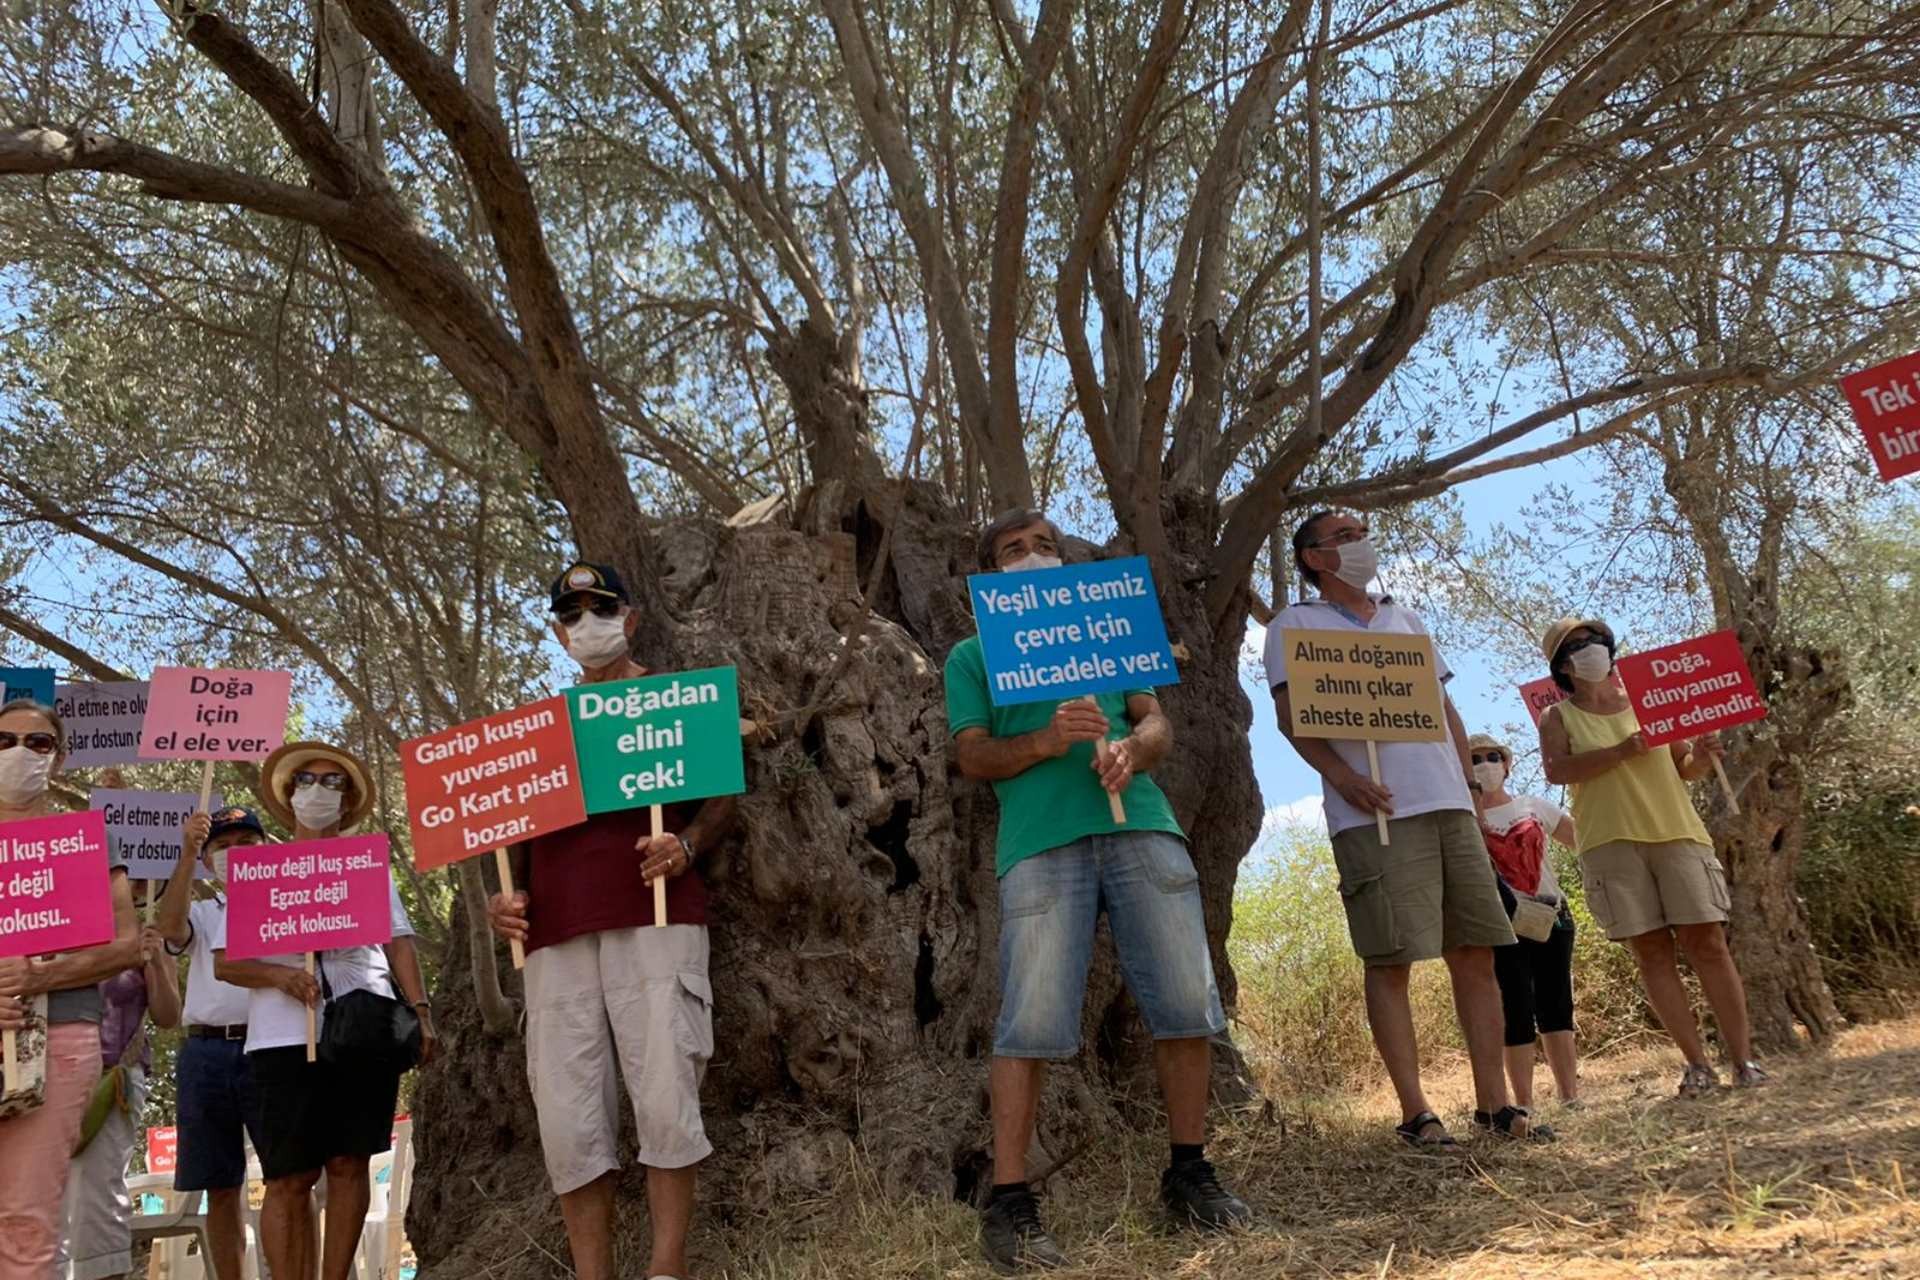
(1049, 906)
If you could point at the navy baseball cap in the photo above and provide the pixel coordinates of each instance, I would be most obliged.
(235, 817)
(584, 577)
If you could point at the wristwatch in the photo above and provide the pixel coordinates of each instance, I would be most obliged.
(1473, 784)
(686, 846)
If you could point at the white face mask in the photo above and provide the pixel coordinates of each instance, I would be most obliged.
(218, 861)
(23, 775)
(1359, 562)
(1032, 560)
(595, 641)
(1490, 776)
(316, 807)
(1591, 663)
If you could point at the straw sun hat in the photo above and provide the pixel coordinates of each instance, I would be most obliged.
(276, 780)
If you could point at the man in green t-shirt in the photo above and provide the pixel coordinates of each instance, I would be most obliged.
(1062, 859)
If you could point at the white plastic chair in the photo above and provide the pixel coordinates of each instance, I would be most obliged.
(382, 1240)
(169, 1233)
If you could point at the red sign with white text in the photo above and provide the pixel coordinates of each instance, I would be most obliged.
(1695, 687)
(163, 1149)
(1886, 403)
(1539, 695)
(492, 782)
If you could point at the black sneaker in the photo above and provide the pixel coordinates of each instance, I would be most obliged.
(1014, 1240)
(1193, 1195)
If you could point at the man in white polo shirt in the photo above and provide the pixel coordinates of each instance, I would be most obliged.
(1429, 892)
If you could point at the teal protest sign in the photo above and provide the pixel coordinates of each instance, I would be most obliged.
(658, 739)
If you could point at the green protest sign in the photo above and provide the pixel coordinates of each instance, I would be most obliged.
(658, 739)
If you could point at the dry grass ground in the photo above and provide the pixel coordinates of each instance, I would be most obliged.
(1818, 1175)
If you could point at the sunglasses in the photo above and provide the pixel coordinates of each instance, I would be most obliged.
(1572, 647)
(40, 743)
(572, 614)
(331, 781)
(1489, 757)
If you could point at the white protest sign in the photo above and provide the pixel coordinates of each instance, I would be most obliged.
(103, 721)
(144, 828)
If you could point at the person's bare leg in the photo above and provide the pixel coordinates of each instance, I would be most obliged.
(1653, 952)
(1562, 1057)
(1390, 1014)
(670, 1206)
(1706, 949)
(349, 1192)
(286, 1225)
(1520, 1073)
(588, 1213)
(227, 1232)
(1183, 1067)
(1476, 1002)
(1015, 1086)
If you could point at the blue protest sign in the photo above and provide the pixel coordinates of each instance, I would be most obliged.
(27, 682)
(1079, 629)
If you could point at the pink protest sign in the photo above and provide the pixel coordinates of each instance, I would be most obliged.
(1691, 688)
(195, 714)
(313, 895)
(1539, 695)
(56, 893)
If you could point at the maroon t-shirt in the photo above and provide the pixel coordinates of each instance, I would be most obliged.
(587, 878)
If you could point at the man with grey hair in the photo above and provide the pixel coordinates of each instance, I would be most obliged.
(1062, 858)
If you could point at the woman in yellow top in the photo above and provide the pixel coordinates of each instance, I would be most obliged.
(1646, 860)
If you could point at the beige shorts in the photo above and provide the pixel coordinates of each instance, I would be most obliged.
(1635, 888)
(1429, 890)
(638, 998)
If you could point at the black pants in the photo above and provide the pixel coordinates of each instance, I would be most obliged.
(1536, 985)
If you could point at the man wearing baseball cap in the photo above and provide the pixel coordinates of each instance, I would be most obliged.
(607, 994)
(211, 1078)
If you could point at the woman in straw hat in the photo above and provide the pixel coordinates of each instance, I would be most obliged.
(314, 1117)
(1536, 972)
(1646, 860)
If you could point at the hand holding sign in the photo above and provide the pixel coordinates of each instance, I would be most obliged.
(56, 893)
(1690, 690)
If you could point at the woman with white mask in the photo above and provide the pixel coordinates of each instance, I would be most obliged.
(53, 1005)
(307, 1118)
(1647, 862)
(1536, 972)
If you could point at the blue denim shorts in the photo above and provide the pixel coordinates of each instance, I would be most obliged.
(1049, 906)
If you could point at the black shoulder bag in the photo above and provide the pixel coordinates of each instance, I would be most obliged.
(368, 1031)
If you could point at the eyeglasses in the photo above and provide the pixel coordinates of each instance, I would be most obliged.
(1342, 538)
(1020, 549)
(40, 743)
(331, 781)
(571, 615)
(1490, 757)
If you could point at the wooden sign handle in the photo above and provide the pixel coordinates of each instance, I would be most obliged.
(659, 882)
(1115, 808)
(10, 1056)
(1720, 772)
(506, 886)
(1373, 767)
(313, 1016)
(153, 898)
(206, 785)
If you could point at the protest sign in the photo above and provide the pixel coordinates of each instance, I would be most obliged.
(1694, 687)
(656, 740)
(56, 893)
(312, 895)
(1539, 695)
(163, 1149)
(490, 783)
(1886, 404)
(1372, 687)
(27, 682)
(144, 828)
(1067, 632)
(103, 721)
(209, 715)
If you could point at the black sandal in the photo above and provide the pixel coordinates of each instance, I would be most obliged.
(1411, 1131)
(1501, 1123)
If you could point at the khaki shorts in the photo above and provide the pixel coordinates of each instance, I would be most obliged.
(1635, 888)
(637, 998)
(1429, 890)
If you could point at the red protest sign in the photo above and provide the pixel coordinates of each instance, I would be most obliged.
(1886, 403)
(491, 782)
(163, 1149)
(197, 714)
(313, 895)
(1691, 688)
(1539, 695)
(56, 893)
